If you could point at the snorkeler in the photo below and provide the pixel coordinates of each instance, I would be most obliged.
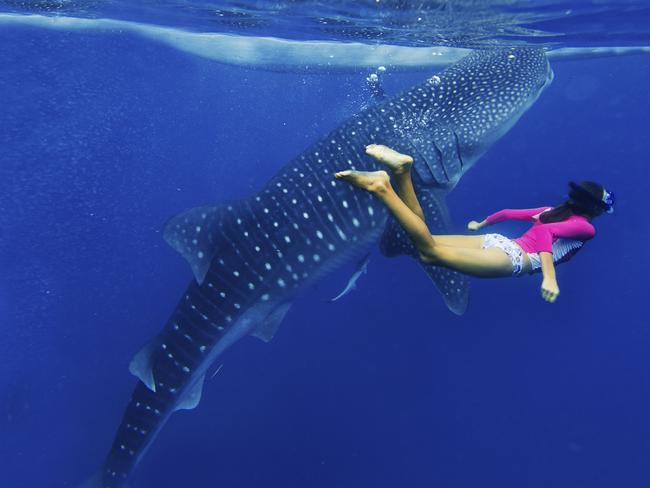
(556, 235)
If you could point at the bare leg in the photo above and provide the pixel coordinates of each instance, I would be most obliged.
(400, 165)
(468, 242)
(486, 263)
(482, 263)
(378, 183)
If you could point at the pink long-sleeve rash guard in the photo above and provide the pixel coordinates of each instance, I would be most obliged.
(541, 237)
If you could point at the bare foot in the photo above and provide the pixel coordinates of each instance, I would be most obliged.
(372, 181)
(397, 162)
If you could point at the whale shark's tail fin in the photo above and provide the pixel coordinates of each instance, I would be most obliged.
(453, 286)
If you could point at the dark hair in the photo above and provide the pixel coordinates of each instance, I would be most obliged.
(584, 199)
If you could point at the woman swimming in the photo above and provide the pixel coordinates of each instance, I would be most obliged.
(556, 235)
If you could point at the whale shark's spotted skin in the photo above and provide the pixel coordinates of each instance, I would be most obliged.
(251, 257)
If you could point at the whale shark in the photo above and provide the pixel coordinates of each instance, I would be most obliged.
(252, 257)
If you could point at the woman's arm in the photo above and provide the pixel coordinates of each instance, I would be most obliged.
(474, 225)
(550, 290)
(529, 214)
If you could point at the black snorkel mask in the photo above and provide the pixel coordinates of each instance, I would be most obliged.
(606, 202)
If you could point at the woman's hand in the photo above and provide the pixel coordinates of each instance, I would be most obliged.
(550, 290)
(474, 225)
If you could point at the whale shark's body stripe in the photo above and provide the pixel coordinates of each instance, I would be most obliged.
(252, 257)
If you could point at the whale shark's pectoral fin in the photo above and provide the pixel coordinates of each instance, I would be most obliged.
(267, 329)
(141, 365)
(195, 235)
(453, 286)
(193, 396)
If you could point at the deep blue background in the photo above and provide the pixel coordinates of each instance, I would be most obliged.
(104, 137)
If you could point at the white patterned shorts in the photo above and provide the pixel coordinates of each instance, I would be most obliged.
(513, 251)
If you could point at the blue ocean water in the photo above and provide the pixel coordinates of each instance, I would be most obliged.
(105, 135)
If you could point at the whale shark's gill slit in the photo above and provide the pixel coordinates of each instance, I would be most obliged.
(458, 151)
(440, 158)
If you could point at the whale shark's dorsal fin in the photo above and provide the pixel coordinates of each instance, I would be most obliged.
(267, 329)
(194, 234)
(141, 365)
(453, 286)
(193, 396)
